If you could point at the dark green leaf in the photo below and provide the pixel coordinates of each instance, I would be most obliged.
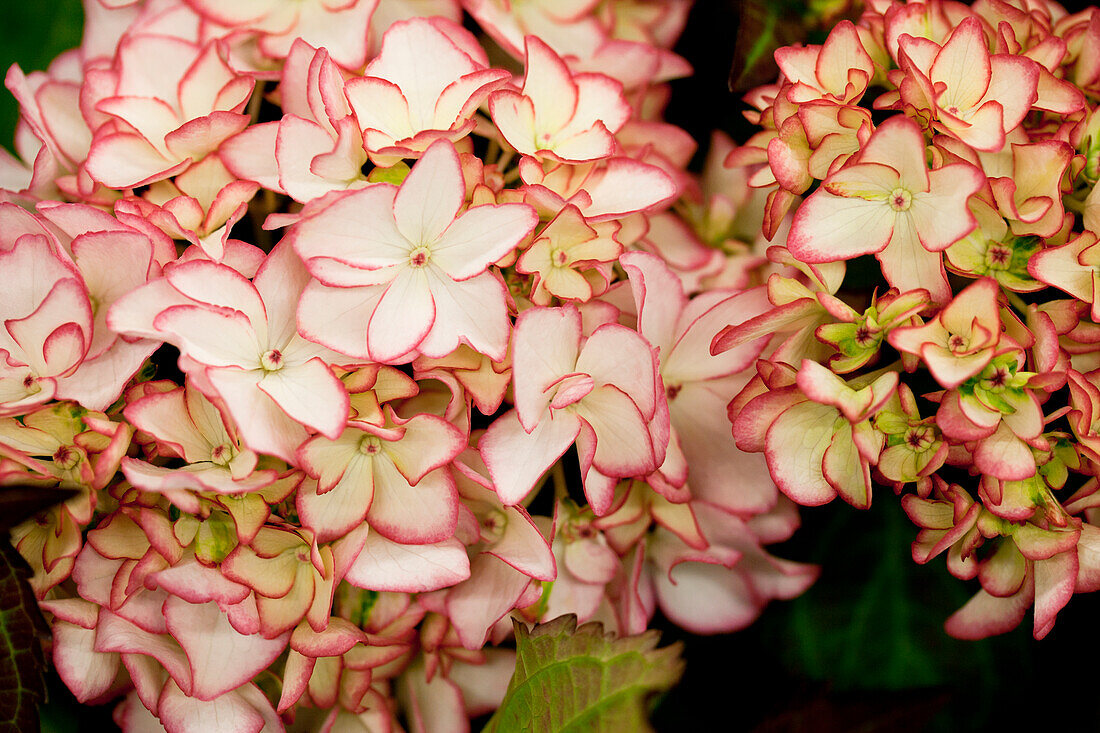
(763, 27)
(32, 34)
(22, 663)
(581, 679)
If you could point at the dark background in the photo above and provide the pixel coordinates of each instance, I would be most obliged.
(864, 649)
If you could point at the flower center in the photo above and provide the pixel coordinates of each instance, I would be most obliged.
(997, 381)
(493, 524)
(957, 343)
(66, 457)
(419, 256)
(900, 199)
(998, 257)
(272, 360)
(222, 455)
(919, 438)
(370, 445)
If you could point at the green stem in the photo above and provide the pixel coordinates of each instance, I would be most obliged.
(1075, 205)
(1016, 301)
(561, 487)
(255, 101)
(511, 176)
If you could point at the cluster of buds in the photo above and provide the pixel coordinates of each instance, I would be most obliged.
(958, 145)
(443, 340)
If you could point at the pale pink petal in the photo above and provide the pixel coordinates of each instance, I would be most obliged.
(491, 592)
(706, 598)
(85, 671)
(547, 343)
(517, 459)
(986, 615)
(357, 228)
(514, 115)
(658, 296)
(434, 704)
(250, 155)
(627, 186)
(208, 639)
(404, 315)
(481, 236)
(219, 338)
(297, 144)
(941, 216)
(907, 265)
(388, 566)
(343, 507)
(123, 160)
(209, 282)
(337, 317)
(413, 515)
(116, 634)
(616, 355)
(827, 228)
(429, 443)
(279, 282)
(796, 445)
(431, 195)
(623, 444)
(310, 394)
(718, 471)
(380, 105)
(899, 143)
(263, 425)
(525, 548)
(227, 712)
(474, 311)
(963, 65)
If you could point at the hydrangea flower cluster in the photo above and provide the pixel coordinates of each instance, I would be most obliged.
(443, 329)
(958, 145)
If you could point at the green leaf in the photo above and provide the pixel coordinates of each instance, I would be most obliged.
(32, 34)
(763, 27)
(22, 663)
(394, 174)
(571, 678)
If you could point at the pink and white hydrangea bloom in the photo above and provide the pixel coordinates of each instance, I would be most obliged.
(425, 85)
(838, 71)
(404, 271)
(239, 339)
(168, 102)
(889, 204)
(566, 117)
(604, 394)
(47, 324)
(390, 475)
(969, 93)
(316, 147)
(341, 26)
(313, 497)
(698, 386)
(191, 427)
